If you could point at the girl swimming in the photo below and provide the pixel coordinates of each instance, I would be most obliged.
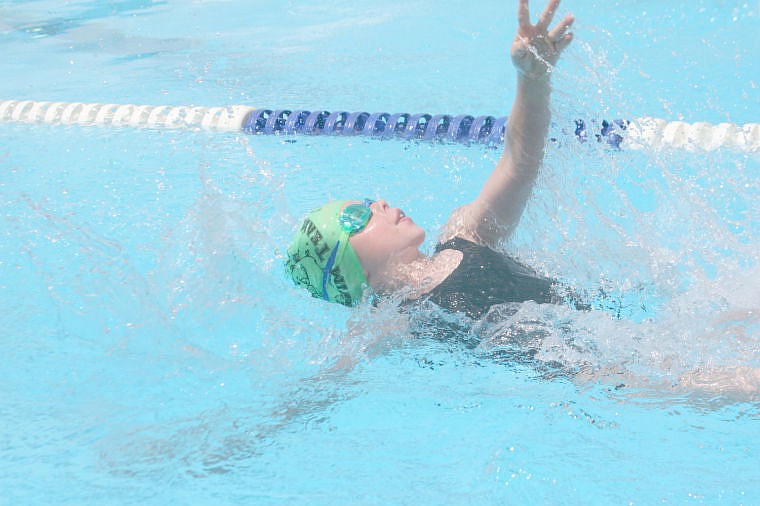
(345, 246)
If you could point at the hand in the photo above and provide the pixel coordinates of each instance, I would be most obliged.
(535, 50)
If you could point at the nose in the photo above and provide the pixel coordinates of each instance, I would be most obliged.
(382, 204)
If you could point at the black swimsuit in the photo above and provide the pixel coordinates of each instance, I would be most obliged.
(485, 278)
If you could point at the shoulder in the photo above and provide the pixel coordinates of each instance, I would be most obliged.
(475, 225)
(458, 226)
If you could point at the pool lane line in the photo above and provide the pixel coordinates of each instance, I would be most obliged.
(639, 133)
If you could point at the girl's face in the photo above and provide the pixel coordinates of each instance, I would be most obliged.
(391, 237)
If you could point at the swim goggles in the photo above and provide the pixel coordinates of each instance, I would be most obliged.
(353, 218)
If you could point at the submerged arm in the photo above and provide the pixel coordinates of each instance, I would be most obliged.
(495, 212)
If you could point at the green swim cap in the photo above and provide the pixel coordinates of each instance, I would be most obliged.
(318, 242)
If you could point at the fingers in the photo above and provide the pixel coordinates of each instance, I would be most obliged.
(563, 42)
(558, 35)
(523, 14)
(546, 17)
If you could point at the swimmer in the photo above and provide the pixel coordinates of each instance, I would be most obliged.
(345, 246)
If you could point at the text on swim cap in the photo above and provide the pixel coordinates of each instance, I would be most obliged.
(312, 232)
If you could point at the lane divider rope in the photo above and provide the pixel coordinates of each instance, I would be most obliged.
(639, 133)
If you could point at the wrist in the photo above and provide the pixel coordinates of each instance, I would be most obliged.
(534, 89)
(540, 78)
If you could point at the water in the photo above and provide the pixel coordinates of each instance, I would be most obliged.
(155, 352)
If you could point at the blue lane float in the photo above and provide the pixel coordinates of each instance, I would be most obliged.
(463, 128)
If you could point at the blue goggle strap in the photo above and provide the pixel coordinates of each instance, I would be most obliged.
(328, 268)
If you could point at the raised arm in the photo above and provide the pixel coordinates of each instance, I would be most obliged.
(494, 214)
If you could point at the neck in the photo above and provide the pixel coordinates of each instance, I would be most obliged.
(397, 275)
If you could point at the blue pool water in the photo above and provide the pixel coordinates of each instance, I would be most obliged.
(154, 351)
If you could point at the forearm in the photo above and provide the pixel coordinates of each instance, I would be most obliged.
(527, 128)
(497, 209)
(510, 184)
